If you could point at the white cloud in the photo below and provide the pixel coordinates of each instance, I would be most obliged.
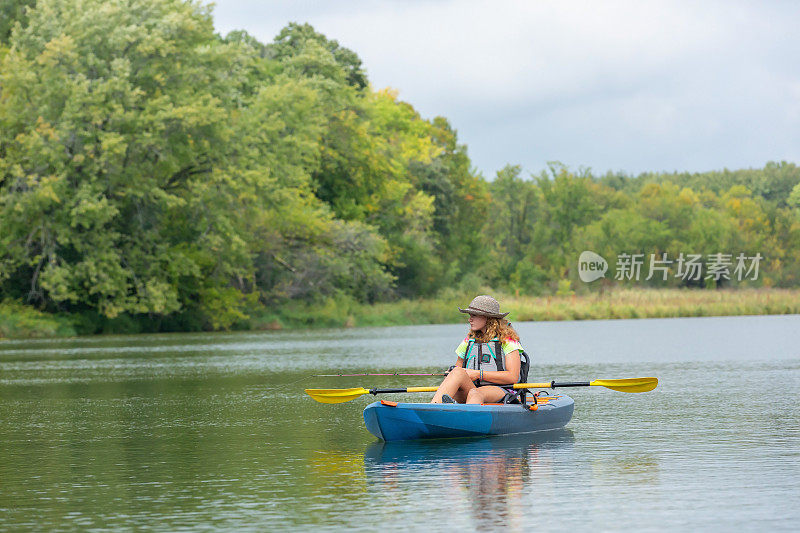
(613, 85)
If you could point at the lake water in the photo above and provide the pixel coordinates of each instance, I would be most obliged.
(213, 431)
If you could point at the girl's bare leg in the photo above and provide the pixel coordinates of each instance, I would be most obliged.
(460, 396)
(485, 394)
(456, 384)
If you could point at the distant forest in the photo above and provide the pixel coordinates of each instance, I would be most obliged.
(152, 168)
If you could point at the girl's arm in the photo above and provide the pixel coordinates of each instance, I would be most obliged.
(509, 376)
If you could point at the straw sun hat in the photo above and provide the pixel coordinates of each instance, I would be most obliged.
(485, 306)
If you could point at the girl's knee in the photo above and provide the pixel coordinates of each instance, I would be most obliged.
(458, 373)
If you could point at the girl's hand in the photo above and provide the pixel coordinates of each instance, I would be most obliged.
(473, 374)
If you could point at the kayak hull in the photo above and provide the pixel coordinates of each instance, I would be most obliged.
(391, 421)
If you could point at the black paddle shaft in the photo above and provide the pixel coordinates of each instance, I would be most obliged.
(381, 391)
(570, 384)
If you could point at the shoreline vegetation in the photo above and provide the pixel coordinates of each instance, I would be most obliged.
(18, 321)
(156, 176)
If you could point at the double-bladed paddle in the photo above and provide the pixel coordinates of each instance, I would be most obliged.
(622, 385)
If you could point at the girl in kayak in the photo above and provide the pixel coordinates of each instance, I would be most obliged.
(488, 358)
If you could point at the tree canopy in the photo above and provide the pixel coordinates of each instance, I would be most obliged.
(151, 168)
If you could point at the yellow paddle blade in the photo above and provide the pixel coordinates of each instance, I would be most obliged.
(336, 395)
(627, 385)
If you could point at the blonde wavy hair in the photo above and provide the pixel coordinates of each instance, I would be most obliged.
(495, 328)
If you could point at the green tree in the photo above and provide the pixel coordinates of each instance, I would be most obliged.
(150, 167)
(459, 193)
(793, 200)
(12, 12)
(295, 39)
(112, 125)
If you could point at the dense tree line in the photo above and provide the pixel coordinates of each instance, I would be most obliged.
(152, 168)
(553, 217)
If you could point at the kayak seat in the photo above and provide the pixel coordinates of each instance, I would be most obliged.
(511, 397)
(518, 396)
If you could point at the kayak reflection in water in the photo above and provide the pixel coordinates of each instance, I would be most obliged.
(496, 488)
(493, 477)
(488, 358)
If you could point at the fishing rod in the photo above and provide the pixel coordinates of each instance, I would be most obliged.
(384, 374)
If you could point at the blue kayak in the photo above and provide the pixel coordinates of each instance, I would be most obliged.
(391, 421)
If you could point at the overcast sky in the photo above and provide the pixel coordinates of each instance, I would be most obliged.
(629, 85)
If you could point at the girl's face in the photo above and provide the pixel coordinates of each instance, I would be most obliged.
(476, 322)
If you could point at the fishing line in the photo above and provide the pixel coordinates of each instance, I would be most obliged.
(383, 374)
(344, 375)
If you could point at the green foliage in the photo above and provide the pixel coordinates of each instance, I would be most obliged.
(120, 130)
(13, 12)
(295, 39)
(794, 198)
(564, 288)
(651, 214)
(156, 176)
(774, 182)
(22, 321)
(150, 168)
